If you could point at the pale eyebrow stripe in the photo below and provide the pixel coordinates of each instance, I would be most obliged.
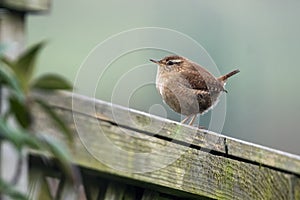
(176, 61)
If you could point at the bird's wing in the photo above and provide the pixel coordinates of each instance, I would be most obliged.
(200, 79)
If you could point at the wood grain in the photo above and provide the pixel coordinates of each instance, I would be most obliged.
(174, 158)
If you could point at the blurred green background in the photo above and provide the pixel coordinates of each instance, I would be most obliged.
(261, 38)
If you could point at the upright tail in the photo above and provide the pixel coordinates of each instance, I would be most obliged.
(226, 76)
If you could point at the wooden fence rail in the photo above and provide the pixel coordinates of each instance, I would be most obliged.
(126, 154)
(146, 151)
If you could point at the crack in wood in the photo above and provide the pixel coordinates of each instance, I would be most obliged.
(179, 142)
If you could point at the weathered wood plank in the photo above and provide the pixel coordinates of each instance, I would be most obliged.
(163, 128)
(264, 155)
(26, 5)
(92, 187)
(115, 191)
(202, 168)
(295, 188)
(195, 172)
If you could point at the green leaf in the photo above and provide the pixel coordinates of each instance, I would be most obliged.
(3, 47)
(18, 137)
(9, 190)
(18, 75)
(25, 64)
(59, 152)
(51, 82)
(21, 138)
(8, 135)
(8, 78)
(9, 63)
(61, 124)
(21, 111)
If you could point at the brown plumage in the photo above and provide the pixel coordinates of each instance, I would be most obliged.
(226, 76)
(187, 87)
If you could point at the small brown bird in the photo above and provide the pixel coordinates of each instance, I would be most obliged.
(187, 87)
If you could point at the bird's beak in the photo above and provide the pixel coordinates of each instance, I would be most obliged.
(157, 62)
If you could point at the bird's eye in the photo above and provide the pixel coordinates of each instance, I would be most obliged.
(170, 62)
(173, 62)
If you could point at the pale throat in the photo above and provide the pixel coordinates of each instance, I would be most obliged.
(159, 82)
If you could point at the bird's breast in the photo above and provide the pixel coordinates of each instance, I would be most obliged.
(159, 82)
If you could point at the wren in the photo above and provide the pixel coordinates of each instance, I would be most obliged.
(188, 88)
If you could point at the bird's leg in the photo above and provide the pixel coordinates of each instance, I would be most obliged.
(186, 119)
(193, 119)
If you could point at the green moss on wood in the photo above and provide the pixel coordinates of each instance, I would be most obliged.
(195, 171)
(143, 120)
